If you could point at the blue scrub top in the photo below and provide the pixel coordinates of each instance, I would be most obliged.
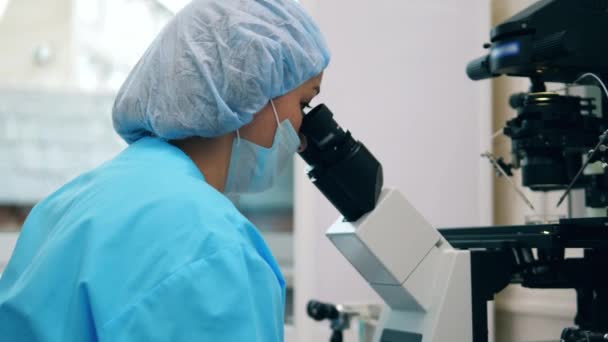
(141, 249)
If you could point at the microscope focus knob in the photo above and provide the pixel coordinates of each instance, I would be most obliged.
(320, 311)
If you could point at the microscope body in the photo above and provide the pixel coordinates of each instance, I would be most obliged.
(424, 282)
(557, 41)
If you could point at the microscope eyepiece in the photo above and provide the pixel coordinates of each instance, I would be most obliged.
(326, 141)
(340, 167)
(479, 69)
(321, 311)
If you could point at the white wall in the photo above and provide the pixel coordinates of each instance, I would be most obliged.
(3, 4)
(28, 25)
(533, 315)
(397, 81)
(50, 129)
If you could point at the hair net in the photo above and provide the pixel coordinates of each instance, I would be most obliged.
(215, 64)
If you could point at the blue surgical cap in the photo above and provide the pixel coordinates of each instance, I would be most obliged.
(216, 64)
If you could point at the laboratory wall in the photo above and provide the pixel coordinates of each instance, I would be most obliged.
(36, 40)
(54, 117)
(523, 314)
(397, 81)
(37, 45)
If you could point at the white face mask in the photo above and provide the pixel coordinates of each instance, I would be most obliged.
(254, 168)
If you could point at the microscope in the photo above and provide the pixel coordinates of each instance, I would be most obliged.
(436, 283)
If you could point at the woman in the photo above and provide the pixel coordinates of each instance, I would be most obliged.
(147, 247)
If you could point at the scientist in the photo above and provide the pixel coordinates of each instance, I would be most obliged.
(147, 247)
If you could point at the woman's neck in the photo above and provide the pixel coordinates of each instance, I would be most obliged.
(211, 156)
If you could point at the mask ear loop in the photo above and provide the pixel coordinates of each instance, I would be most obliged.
(276, 115)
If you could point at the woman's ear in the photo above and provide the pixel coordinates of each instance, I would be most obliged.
(262, 128)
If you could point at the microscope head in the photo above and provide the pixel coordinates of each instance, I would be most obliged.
(550, 41)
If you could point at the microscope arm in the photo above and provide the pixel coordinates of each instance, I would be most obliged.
(421, 278)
